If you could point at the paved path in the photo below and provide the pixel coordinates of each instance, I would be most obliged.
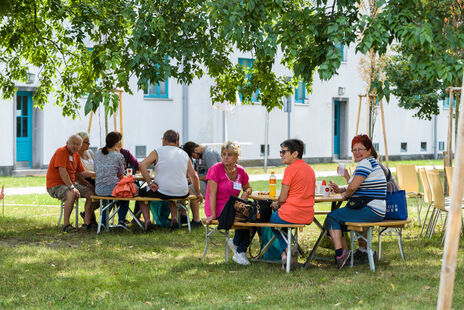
(253, 177)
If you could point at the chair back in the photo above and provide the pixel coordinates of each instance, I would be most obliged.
(449, 176)
(407, 178)
(425, 186)
(438, 195)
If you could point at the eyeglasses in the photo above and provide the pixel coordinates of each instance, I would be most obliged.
(282, 152)
(357, 150)
(86, 142)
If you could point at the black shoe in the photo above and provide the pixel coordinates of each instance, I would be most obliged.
(341, 260)
(194, 224)
(183, 219)
(173, 227)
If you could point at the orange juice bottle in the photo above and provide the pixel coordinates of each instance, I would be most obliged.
(272, 185)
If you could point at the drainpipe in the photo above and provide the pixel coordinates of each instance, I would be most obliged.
(435, 150)
(185, 114)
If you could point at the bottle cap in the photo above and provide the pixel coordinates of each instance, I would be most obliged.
(324, 183)
(272, 172)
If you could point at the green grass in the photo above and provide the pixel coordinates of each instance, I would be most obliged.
(22, 181)
(43, 268)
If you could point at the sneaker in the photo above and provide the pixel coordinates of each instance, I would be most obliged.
(183, 219)
(240, 258)
(194, 224)
(341, 260)
(232, 246)
(361, 258)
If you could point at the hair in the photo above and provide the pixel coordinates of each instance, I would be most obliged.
(366, 142)
(83, 134)
(111, 139)
(294, 145)
(75, 137)
(231, 146)
(171, 136)
(189, 147)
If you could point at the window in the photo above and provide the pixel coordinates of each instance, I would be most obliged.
(300, 92)
(404, 147)
(248, 63)
(376, 146)
(441, 146)
(446, 102)
(159, 90)
(262, 150)
(423, 146)
(140, 151)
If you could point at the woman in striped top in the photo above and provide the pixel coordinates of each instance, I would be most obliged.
(366, 192)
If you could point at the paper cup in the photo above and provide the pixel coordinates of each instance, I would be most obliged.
(129, 171)
(318, 187)
(325, 190)
(341, 169)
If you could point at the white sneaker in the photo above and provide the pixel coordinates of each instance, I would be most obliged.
(232, 246)
(241, 259)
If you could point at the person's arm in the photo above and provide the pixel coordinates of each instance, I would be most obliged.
(130, 159)
(83, 181)
(213, 187)
(282, 197)
(353, 186)
(247, 190)
(87, 174)
(67, 181)
(151, 159)
(191, 173)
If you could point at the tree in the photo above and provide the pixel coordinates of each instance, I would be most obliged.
(428, 45)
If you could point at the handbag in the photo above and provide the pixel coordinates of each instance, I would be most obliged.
(397, 206)
(125, 188)
(358, 202)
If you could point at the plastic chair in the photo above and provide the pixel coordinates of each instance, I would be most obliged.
(438, 200)
(407, 180)
(427, 197)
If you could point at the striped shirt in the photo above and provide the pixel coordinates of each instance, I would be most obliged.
(374, 184)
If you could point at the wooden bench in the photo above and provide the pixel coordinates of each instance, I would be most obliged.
(107, 203)
(359, 230)
(284, 229)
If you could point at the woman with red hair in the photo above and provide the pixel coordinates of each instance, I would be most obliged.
(366, 193)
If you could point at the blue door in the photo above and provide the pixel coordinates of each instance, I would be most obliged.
(24, 128)
(336, 129)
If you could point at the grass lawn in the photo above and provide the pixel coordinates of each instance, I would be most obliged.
(44, 268)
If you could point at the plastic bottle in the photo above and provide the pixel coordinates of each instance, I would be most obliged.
(272, 185)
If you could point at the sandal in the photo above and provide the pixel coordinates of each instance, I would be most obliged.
(87, 227)
(68, 228)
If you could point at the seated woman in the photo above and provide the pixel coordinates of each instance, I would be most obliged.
(87, 157)
(296, 200)
(109, 167)
(366, 190)
(226, 179)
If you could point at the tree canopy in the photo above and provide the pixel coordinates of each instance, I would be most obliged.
(92, 47)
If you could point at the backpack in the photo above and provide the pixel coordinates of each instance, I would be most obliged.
(392, 186)
(125, 188)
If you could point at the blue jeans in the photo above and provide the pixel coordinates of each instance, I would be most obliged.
(123, 209)
(275, 218)
(242, 239)
(336, 219)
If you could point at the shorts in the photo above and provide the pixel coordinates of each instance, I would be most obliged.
(60, 191)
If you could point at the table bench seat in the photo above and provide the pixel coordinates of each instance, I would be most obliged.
(359, 230)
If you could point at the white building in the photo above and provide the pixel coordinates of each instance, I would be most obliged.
(325, 120)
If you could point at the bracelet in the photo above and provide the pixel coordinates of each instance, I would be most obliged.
(71, 187)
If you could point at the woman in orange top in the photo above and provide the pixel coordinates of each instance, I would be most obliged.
(296, 201)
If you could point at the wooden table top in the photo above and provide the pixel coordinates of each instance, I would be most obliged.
(317, 198)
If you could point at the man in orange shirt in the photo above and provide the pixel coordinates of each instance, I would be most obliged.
(61, 178)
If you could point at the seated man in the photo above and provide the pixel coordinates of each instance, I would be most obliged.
(172, 167)
(205, 157)
(61, 178)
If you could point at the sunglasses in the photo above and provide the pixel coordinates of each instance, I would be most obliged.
(282, 152)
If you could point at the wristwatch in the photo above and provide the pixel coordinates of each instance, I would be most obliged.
(71, 187)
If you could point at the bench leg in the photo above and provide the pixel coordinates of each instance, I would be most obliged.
(289, 248)
(226, 246)
(61, 213)
(100, 219)
(400, 242)
(180, 207)
(353, 236)
(370, 252)
(207, 234)
(76, 206)
(314, 249)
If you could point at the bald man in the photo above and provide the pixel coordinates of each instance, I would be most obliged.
(61, 180)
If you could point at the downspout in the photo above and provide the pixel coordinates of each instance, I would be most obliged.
(185, 113)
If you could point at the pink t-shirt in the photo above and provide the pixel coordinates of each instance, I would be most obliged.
(217, 173)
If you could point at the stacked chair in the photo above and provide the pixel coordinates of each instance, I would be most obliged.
(407, 180)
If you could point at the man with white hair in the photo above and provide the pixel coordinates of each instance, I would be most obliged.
(61, 180)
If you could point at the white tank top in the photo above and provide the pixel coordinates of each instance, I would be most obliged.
(171, 171)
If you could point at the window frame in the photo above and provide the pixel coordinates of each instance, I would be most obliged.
(297, 100)
(147, 94)
(251, 60)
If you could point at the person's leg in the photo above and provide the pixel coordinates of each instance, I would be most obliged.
(68, 207)
(242, 239)
(146, 213)
(275, 218)
(195, 206)
(173, 209)
(122, 212)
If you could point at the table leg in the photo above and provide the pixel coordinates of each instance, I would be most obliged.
(289, 248)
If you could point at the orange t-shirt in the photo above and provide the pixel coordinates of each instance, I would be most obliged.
(299, 206)
(62, 158)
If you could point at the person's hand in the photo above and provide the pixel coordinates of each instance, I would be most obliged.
(334, 186)
(153, 186)
(346, 175)
(200, 198)
(210, 218)
(244, 196)
(76, 193)
(275, 205)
